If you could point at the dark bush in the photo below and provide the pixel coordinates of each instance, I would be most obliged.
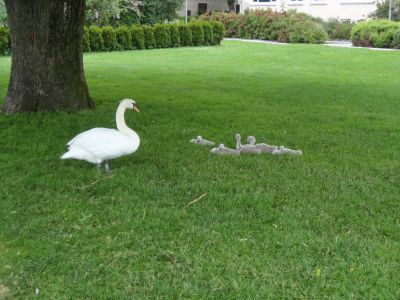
(109, 38)
(137, 37)
(185, 34)
(4, 41)
(218, 32)
(149, 41)
(338, 30)
(85, 40)
(96, 39)
(124, 38)
(375, 33)
(208, 33)
(162, 36)
(396, 39)
(197, 33)
(174, 34)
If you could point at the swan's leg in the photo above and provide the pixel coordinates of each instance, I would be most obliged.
(98, 166)
(107, 168)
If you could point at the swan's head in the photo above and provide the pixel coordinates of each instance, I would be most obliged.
(251, 140)
(130, 104)
(237, 136)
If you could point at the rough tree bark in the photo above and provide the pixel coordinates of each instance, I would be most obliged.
(47, 63)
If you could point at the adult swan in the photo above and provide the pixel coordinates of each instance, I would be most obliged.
(102, 144)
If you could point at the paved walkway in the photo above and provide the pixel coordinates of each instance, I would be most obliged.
(342, 44)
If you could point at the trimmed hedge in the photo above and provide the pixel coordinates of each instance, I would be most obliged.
(185, 34)
(375, 33)
(109, 38)
(4, 41)
(124, 38)
(174, 34)
(162, 36)
(267, 24)
(149, 40)
(396, 39)
(137, 37)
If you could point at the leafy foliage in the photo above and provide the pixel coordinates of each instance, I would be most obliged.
(307, 31)
(149, 41)
(382, 10)
(185, 34)
(109, 38)
(208, 33)
(174, 34)
(137, 37)
(197, 33)
(218, 32)
(96, 39)
(396, 39)
(4, 41)
(338, 30)
(3, 14)
(124, 38)
(375, 33)
(85, 39)
(162, 36)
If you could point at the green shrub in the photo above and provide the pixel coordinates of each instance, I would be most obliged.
(162, 36)
(149, 41)
(375, 33)
(208, 33)
(4, 41)
(109, 38)
(124, 38)
(307, 32)
(85, 40)
(338, 30)
(95, 38)
(174, 34)
(185, 34)
(197, 33)
(396, 39)
(218, 32)
(137, 37)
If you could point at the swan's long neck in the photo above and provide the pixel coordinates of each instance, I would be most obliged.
(238, 144)
(121, 125)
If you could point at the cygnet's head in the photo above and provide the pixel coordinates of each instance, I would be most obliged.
(251, 140)
(237, 136)
(221, 146)
(131, 104)
(199, 138)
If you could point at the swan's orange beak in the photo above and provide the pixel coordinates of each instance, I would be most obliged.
(137, 109)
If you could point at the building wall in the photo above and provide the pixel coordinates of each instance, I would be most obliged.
(211, 5)
(343, 9)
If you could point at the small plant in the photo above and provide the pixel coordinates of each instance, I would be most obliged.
(149, 41)
(124, 38)
(137, 37)
(109, 38)
(185, 34)
(162, 36)
(96, 39)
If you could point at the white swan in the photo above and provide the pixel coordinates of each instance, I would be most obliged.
(102, 144)
(262, 146)
(245, 148)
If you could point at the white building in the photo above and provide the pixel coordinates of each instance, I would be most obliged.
(342, 9)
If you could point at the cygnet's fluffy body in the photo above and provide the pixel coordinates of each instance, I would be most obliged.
(200, 141)
(282, 150)
(252, 149)
(265, 148)
(222, 150)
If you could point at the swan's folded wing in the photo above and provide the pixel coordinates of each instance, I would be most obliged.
(104, 143)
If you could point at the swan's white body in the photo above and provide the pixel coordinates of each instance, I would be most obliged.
(200, 141)
(102, 144)
(222, 150)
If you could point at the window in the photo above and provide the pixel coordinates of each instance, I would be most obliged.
(201, 8)
(264, 1)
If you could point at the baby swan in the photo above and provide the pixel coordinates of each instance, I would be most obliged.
(200, 141)
(282, 150)
(245, 148)
(222, 150)
(265, 148)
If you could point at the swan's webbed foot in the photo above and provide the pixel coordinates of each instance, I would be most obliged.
(98, 167)
(107, 168)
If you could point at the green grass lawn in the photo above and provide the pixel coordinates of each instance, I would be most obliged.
(325, 224)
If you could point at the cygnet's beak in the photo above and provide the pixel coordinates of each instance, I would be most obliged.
(136, 108)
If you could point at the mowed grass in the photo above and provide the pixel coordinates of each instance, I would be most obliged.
(322, 225)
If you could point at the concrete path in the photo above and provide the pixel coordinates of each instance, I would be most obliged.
(341, 44)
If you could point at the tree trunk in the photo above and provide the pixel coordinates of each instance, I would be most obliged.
(47, 62)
